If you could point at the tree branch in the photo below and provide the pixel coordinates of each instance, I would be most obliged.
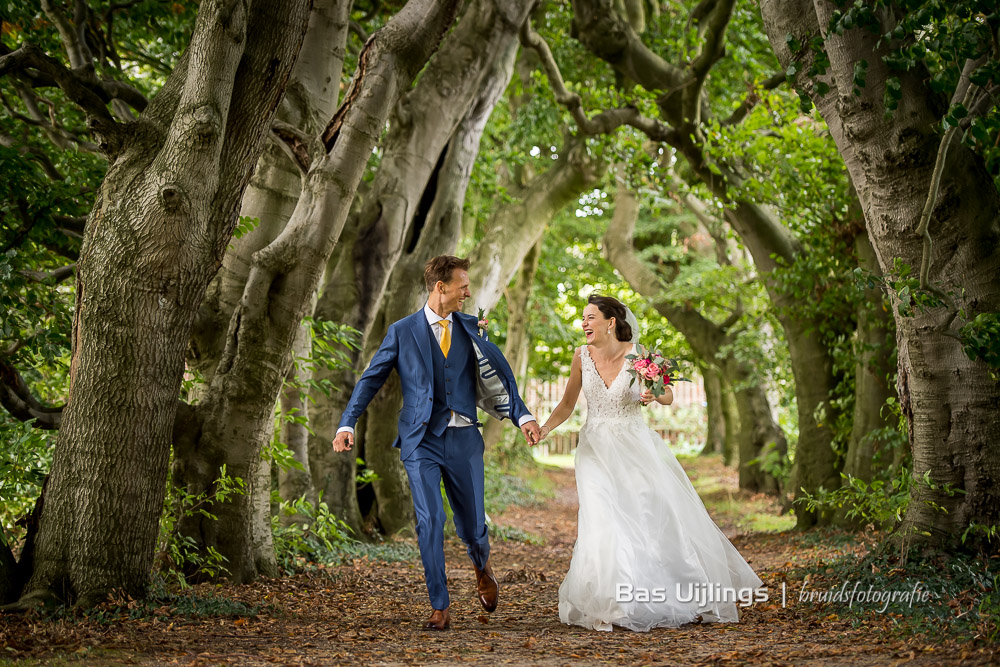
(70, 38)
(752, 98)
(72, 223)
(93, 99)
(54, 277)
(602, 123)
(714, 44)
(58, 135)
(40, 156)
(18, 400)
(296, 143)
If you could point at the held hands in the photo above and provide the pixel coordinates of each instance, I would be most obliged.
(646, 397)
(531, 432)
(343, 442)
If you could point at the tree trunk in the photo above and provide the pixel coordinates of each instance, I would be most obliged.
(309, 101)
(238, 410)
(759, 433)
(865, 455)
(683, 104)
(403, 192)
(292, 482)
(733, 428)
(333, 475)
(438, 233)
(949, 400)
(816, 464)
(516, 226)
(517, 348)
(414, 152)
(715, 433)
(759, 436)
(271, 198)
(164, 215)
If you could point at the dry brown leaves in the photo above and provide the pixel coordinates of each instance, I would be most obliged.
(372, 612)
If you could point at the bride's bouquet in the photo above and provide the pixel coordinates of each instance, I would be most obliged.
(654, 372)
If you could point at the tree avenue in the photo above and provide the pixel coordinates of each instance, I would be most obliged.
(915, 135)
(213, 211)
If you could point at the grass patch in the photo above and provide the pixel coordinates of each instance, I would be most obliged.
(161, 604)
(342, 554)
(757, 513)
(557, 460)
(525, 486)
(386, 552)
(513, 534)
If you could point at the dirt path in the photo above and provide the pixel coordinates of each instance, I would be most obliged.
(372, 612)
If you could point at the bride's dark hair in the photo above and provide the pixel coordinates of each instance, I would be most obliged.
(611, 307)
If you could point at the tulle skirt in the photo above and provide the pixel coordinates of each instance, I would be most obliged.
(647, 553)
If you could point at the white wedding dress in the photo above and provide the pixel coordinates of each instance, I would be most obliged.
(647, 553)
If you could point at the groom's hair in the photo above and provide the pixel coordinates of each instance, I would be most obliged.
(441, 268)
(611, 307)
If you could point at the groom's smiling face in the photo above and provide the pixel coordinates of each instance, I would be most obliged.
(455, 291)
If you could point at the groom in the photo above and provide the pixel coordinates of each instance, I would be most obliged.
(446, 369)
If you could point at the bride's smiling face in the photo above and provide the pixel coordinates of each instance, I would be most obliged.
(594, 324)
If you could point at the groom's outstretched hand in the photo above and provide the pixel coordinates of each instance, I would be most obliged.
(531, 432)
(343, 442)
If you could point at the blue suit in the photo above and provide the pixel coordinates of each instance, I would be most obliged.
(474, 373)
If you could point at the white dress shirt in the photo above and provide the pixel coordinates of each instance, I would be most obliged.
(433, 319)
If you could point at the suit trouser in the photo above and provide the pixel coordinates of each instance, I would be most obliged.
(456, 457)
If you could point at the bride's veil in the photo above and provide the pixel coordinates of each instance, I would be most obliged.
(634, 323)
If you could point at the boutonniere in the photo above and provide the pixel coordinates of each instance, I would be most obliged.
(483, 322)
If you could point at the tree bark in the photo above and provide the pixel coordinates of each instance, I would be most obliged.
(294, 483)
(164, 215)
(517, 348)
(439, 233)
(401, 198)
(875, 343)
(729, 408)
(283, 276)
(949, 400)
(715, 433)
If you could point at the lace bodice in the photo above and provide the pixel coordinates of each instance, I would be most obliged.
(619, 401)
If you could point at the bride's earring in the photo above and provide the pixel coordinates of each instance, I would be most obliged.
(609, 330)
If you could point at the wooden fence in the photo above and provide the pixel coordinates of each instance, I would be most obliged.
(542, 398)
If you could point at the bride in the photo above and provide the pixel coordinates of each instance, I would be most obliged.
(647, 553)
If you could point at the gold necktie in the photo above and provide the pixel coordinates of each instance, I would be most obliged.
(445, 338)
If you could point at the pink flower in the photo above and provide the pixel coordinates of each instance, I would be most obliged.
(483, 324)
(641, 364)
(652, 371)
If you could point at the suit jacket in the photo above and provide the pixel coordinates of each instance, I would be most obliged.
(407, 348)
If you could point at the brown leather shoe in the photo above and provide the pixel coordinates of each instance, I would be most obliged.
(440, 620)
(487, 586)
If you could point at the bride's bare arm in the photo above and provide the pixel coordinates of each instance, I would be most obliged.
(568, 401)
